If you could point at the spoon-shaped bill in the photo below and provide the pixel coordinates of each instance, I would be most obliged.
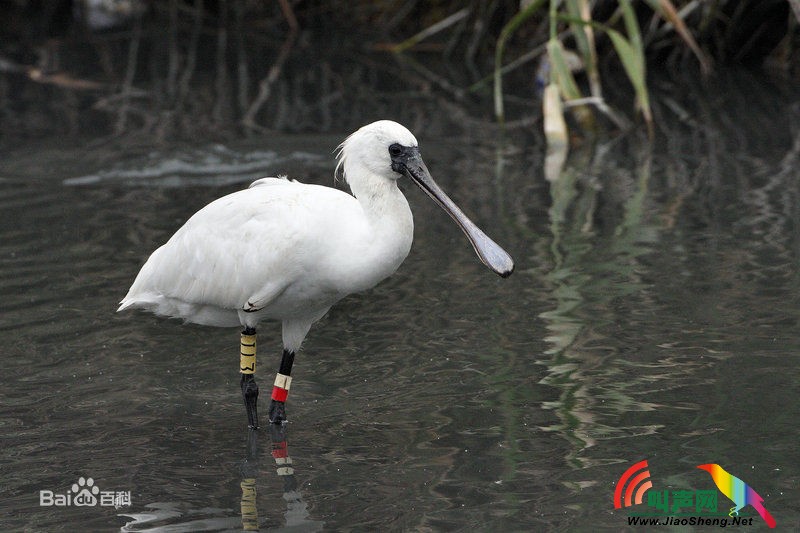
(489, 252)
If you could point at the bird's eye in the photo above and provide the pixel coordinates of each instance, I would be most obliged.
(395, 150)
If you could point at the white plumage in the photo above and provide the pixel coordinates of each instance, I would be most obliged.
(288, 251)
(283, 249)
(280, 250)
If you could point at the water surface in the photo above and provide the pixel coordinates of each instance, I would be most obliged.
(653, 315)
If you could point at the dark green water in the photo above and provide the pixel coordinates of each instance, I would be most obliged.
(653, 315)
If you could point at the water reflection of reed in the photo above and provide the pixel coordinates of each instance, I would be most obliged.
(598, 278)
(670, 281)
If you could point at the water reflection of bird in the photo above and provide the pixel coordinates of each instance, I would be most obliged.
(288, 251)
(297, 515)
(738, 491)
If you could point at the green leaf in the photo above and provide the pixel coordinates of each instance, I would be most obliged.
(581, 25)
(633, 63)
(668, 12)
(578, 30)
(560, 71)
(508, 30)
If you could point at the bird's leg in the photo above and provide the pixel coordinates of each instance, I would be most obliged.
(277, 406)
(247, 366)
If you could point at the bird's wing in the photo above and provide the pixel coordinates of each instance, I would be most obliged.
(250, 244)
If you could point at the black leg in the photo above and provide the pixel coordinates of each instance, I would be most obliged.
(250, 395)
(247, 366)
(277, 406)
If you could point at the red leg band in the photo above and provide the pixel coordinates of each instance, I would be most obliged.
(279, 450)
(279, 394)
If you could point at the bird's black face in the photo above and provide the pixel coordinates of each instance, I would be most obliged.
(406, 160)
(403, 156)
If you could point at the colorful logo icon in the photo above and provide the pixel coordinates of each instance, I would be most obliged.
(679, 507)
(739, 492)
(634, 494)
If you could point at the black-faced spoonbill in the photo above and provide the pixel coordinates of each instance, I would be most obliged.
(288, 251)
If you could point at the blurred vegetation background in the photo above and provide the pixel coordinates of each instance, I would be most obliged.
(160, 70)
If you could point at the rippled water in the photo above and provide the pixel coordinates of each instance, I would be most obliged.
(653, 315)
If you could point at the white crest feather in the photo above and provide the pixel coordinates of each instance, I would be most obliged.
(382, 133)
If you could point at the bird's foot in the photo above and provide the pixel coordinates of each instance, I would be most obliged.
(250, 395)
(277, 412)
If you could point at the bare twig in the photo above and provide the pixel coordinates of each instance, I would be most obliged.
(478, 32)
(399, 14)
(440, 81)
(430, 30)
(191, 56)
(222, 71)
(265, 86)
(172, 73)
(599, 102)
(60, 79)
(130, 73)
(795, 8)
(241, 57)
(288, 14)
(65, 80)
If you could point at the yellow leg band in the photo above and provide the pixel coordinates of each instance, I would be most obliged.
(247, 351)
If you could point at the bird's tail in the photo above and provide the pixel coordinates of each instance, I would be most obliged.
(759, 506)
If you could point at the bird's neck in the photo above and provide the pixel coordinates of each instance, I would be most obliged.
(381, 200)
(388, 217)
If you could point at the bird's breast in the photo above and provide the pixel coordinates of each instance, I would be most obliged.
(370, 257)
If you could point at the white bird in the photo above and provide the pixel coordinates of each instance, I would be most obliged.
(288, 251)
